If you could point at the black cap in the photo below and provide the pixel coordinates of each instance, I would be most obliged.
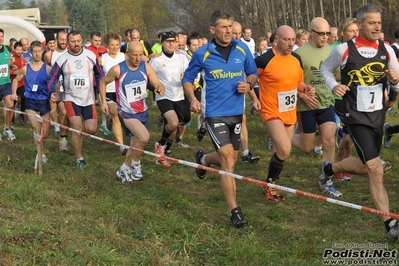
(50, 36)
(168, 35)
(396, 34)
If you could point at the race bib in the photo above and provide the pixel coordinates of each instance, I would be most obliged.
(79, 82)
(34, 87)
(136, 92)
(3, 71)
(287, 100)
(369, 98)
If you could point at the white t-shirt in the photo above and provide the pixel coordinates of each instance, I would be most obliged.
(108, 62)
(170, 71)
(250, 44)
(77, 72)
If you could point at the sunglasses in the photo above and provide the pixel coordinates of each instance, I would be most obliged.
(322, 33)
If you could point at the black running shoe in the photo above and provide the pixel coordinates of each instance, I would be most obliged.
(249, 158)
(201, 132)
(237, 218)
(198, 153)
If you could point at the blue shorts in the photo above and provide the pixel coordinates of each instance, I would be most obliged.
(142, 117)
(5, 90)
(87, 112)
(39, 106)
(307, 120)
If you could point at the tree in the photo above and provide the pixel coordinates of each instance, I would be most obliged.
(33, 4)
(14, 4)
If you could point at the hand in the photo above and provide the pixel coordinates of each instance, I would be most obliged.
(310, 101)
(256, 105)
(104, 108)
(54, 97)
(243, 87)
(392, 75)
(195, 106)
(340, 90)
(160, 90)
(310, 91)
(14, 97)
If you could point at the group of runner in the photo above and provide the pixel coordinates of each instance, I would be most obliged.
(211, 79)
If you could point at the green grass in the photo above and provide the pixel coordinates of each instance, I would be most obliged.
(87, 217)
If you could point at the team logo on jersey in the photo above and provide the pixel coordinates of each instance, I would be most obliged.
(237, 60)
(78, 64)
(368, 75)
(237, 129)
(383, 57)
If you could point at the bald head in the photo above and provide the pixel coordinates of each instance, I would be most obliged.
(135, 47)
(285, 38)
(135, 35)
(320, 31)
(237, 30)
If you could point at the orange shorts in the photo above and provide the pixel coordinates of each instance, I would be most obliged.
(268, 117)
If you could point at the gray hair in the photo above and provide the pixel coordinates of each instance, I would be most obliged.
(219, 14)
(361, 12)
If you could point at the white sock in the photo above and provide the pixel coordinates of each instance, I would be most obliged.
(245, 152)
(203, 160)
(134, 163)
(124, 167)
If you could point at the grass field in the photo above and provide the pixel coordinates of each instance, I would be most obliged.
(70, 216)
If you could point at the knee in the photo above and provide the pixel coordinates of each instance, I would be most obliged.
(172, 125)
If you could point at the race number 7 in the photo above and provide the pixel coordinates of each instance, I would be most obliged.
(372, 96)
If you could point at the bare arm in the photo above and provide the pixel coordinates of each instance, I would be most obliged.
(111, 76)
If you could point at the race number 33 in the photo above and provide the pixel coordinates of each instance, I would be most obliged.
(369, 98)
(287, 100)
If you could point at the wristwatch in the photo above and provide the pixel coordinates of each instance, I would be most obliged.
(251, 87)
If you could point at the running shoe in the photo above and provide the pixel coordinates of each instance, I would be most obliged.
(198, 154)
(63, 144)
(124, 176)
(57, 130)
(391, 111)
(9, 133)
(81, 164)
(123, 150)
(343, 176)
(386, 164)
(182, 144)
(159, 149)
(324, 182)
(105, 130)
(201, 132)
(269, 144)
(136, 174)
(317, 152)
(272, 194)
(237, 218)
(249, 158)
(168, 152)
(387, 136)
(393, 232)
(330, 190)
(44, 158)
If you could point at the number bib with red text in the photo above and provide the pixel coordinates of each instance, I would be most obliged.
(287, 100)
(369, 98)
(136, 92)
(79, 82)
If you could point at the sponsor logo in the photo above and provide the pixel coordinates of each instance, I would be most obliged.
(368, 75)
(220, 74)
(237, 129)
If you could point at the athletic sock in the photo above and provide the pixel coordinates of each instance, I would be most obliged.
(124, 167)
(328, 169)
(165, 135)
(134, 163)
(168, 144)
(275, 168)
(245, 153)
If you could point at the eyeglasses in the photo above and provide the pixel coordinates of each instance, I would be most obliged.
(322, 33)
